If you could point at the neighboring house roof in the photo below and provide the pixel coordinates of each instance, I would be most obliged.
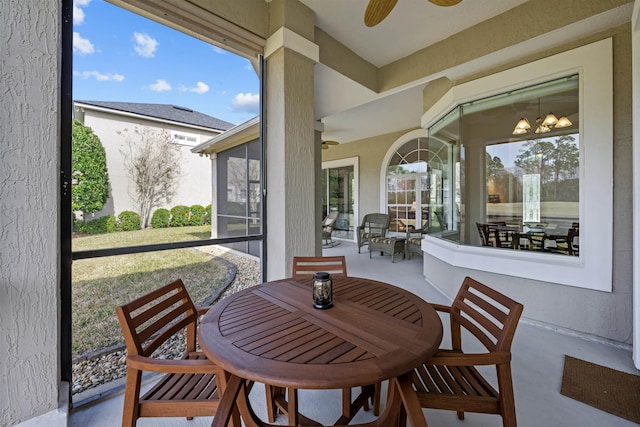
(165, 112)
(239, 134)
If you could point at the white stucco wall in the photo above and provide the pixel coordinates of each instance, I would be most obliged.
(195, 181)
(29, 168)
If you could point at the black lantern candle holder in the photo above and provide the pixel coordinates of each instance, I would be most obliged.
(322, 290)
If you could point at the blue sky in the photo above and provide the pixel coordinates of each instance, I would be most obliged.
(124, 57)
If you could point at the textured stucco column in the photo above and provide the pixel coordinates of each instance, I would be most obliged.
(292, 153)
(291, 161)
(29, 169)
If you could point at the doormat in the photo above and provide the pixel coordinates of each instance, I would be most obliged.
(604, 388)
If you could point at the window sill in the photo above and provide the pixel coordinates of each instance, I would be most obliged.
(558, 269)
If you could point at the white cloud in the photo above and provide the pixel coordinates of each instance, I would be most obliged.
(246, 102)
(81, 45)
(101, 77)
(219, 50)
(200, 88)
(160, 86)
(78, 14)
(145, 45)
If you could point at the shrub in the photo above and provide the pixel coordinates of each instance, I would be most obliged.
(128, 221)
(207, 218)
(179, 216)
(197, 215)
(160, 218)
(104, 224)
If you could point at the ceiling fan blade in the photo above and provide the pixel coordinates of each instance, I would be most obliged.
(445, 2)
(377, 10)
(331, 142)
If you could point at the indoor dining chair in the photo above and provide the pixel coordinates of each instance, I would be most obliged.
(449, 379)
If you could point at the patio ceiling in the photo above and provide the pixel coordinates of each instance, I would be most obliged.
(352, 112)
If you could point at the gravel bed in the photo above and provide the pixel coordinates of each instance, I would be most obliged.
(109, 365)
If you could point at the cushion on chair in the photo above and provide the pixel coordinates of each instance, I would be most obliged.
(386, 240)
(415, 241)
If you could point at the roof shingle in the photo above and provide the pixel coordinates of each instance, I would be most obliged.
(165, 112)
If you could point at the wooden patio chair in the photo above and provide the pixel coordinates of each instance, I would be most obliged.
(308, 266)
(189, 387)
(305, 268)
(449, 380)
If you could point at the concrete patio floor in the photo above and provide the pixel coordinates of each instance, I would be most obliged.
(538, 358)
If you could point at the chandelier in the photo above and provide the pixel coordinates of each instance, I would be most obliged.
(543, 125)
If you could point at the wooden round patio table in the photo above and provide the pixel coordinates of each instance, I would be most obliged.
(272, 334)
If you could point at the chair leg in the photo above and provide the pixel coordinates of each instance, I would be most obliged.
(272, 410)
(460, 415)
(131, 408)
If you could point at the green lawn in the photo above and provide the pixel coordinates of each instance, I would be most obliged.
(101, 284)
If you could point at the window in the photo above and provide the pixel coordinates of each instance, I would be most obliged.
(592, 268)
(339, 193)
(182, 138)
(416, 191)
(238, 208)
(514, 187)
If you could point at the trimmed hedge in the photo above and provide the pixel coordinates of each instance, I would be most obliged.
(179, 216)
(207, 219)
(129, 221)
(160, 218)
(197, 215)
(104, 224)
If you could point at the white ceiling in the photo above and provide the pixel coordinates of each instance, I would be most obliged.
(411, 25)
(352, 112)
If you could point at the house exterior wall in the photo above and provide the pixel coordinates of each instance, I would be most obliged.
(29, 201)
(195, 181)
(599, 314)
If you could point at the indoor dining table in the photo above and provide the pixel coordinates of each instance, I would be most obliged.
(272, 334)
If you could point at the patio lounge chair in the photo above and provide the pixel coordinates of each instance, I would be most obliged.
(327, 228)
(189, 387)
(373, 225)
(449, 380)
(414, 240)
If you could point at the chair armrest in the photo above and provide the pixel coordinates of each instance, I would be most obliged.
(456, 358)
(203, 310)
(177, 366)
(441, 307)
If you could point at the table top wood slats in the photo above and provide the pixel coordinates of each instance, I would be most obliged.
(271, 333)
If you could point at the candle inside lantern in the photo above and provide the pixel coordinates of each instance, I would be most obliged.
(322, 290)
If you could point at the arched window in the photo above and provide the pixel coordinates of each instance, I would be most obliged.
(416, 185)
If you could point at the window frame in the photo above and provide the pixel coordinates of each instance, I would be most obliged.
(593, 268)
(339, 163)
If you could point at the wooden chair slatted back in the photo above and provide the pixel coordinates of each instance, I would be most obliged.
(308, 266)
(150, 320)
(487, 314)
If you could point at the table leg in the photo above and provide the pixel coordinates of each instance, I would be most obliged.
(410, 401)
